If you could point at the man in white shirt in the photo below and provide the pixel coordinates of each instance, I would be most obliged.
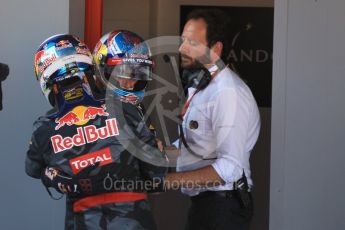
(221, 124)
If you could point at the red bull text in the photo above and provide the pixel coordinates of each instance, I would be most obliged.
(86, 134)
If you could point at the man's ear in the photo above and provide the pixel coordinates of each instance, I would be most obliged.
(217, 49)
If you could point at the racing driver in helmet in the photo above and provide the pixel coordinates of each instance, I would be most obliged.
(98, 152)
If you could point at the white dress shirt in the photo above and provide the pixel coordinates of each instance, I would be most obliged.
(222, 122)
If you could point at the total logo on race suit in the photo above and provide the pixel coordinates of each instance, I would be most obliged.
(79, 116)
(79, 163)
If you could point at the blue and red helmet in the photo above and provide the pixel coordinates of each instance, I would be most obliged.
(64, 68)
(123, 54)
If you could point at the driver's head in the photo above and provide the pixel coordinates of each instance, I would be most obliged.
(122, 60)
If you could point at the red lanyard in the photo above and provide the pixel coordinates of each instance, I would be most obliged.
(186, 105)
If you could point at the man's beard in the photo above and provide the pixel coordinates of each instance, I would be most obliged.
(194, 64)
(189, 63)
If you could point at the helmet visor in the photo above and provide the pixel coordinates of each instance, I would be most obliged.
(130, 71)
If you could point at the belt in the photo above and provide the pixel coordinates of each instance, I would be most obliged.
(106, 198)
(224, 194)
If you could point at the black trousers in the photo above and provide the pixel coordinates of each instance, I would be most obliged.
(215, 211)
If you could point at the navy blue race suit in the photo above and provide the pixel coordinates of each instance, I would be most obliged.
(115, 140)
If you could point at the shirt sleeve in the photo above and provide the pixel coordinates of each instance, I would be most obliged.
(229, 123)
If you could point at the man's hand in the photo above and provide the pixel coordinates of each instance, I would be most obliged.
(62, 182)
(159, 144)
(173, 153)
(79, 184)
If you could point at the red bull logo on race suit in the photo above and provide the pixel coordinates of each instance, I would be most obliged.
(84, 135)
(80, 116)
